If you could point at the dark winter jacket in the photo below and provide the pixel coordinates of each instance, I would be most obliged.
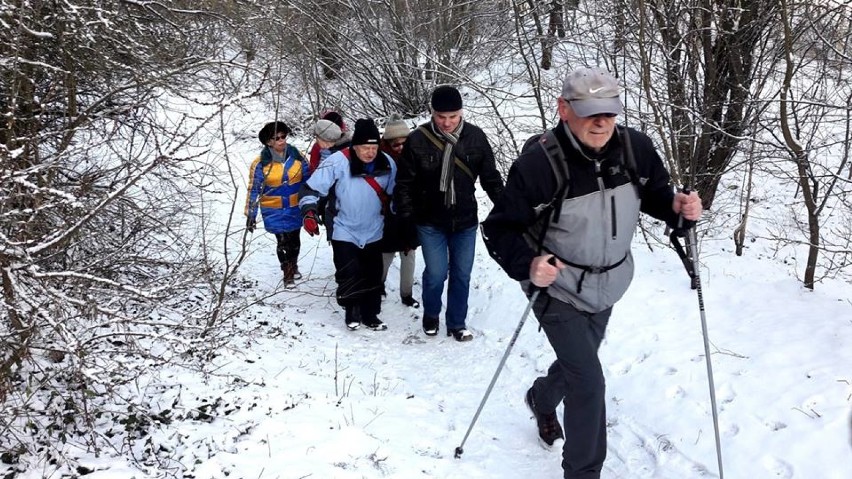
(418, 194)
(399, 234)
(597, 221)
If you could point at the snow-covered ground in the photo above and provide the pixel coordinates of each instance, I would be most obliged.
(297, 395)
(300, 396)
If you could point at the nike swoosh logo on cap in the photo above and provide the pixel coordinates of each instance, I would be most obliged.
(595, 90)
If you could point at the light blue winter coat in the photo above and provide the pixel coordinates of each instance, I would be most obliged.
(358, 219)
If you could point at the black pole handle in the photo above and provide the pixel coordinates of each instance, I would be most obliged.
(683, 224)
(686, 254)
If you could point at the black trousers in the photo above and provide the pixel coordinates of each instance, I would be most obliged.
(575, 378)
(288, 247)
(359, 276)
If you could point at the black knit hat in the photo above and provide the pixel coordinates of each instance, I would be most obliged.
(446, 98)
(366, 132)
(272, 128)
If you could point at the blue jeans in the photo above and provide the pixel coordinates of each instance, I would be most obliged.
(447, 253)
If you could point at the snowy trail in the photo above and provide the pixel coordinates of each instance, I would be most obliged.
(365, 384)
(321, 401)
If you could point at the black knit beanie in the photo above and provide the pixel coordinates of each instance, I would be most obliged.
(446, 98)
(366, 132)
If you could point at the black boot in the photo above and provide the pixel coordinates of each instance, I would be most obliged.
(549, 429)
(460, 334)
(374, 323)
(353, 318)
(430, 325)
(410, 301)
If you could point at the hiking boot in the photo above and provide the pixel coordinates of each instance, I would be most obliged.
(296, 274)
(430, 325)
(410, 302)
(289, 275)
(460, 334)
(374, 323)
(549, 429)
(353, 321)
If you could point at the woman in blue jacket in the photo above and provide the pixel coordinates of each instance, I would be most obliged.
(275, 178)
(358, 182)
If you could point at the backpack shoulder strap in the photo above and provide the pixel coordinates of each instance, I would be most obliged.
(556, 157)
(629, 158)
(439, 144)
(551, 211)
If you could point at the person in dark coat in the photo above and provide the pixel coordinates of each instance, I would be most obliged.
(436, 186)
(589, 246)
(396, 238)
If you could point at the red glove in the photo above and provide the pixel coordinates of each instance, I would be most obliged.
(309, 221)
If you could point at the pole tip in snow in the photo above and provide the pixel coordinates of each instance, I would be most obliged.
(459, 452)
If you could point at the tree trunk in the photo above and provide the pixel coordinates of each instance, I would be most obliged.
(800, 157)
(18, 346)
(740, 231)
(555, 24)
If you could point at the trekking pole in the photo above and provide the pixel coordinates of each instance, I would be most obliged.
(691, 243)
(692, 257)
(460, 450)
(533, 297)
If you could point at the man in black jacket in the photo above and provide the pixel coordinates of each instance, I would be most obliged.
(588, 242)
(435, 189)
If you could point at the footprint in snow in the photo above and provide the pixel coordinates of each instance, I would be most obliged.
(776, 425)
(413, 339)
(777, 467)
(624, 367)
(726, 394)
(675, 392)
(642, 461)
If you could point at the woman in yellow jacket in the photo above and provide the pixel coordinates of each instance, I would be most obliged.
(275, 178)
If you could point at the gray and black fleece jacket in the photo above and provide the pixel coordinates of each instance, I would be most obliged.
(598, 217)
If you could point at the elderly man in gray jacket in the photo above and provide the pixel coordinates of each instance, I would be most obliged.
(581, 254)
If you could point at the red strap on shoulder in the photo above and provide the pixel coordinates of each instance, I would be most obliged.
(383, 197)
